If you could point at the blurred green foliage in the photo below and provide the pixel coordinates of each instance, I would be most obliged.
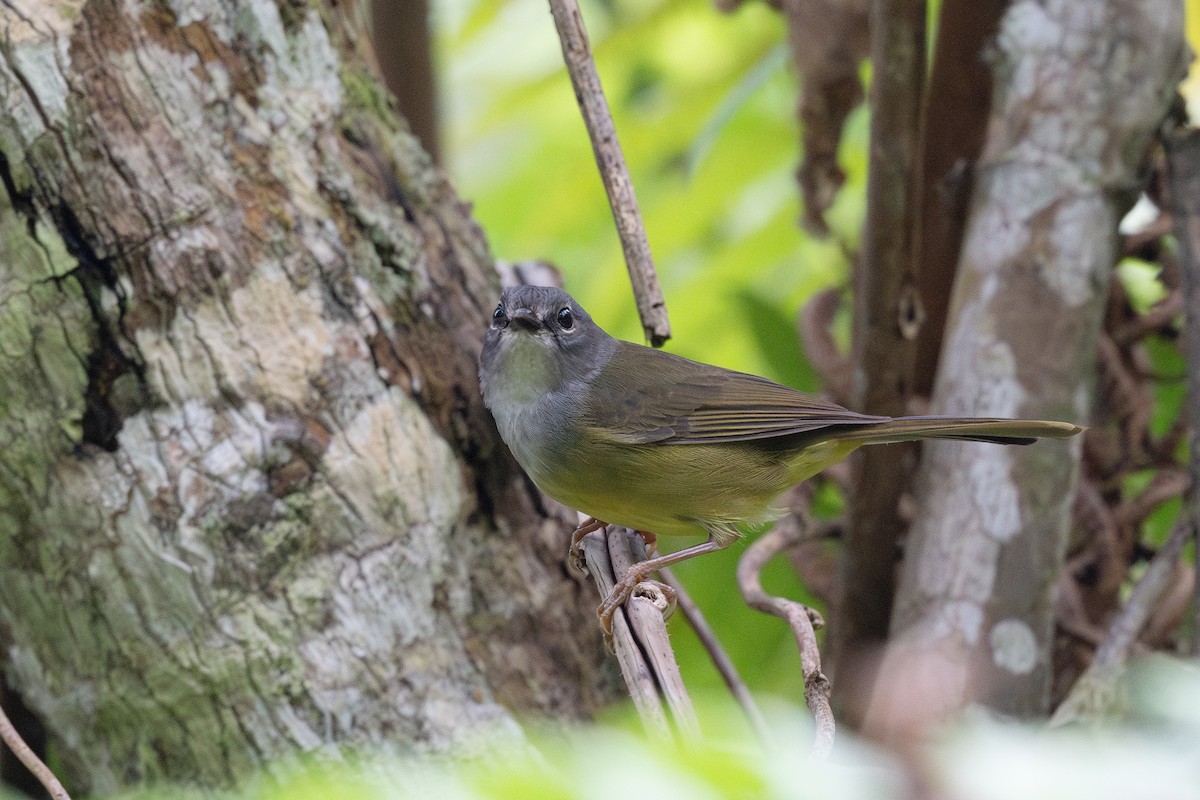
(704, 104)
(1155, 752)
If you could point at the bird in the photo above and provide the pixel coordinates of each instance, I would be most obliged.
(634, 436)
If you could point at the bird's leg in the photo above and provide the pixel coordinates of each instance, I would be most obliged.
(575, 553)
(638, 572)
(587, 526)
(650, 539)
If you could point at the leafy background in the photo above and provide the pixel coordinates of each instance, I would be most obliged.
(704, 104)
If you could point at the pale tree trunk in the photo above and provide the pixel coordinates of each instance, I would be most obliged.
(1080, 89)
(250, 501)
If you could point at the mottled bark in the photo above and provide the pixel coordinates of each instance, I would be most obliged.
(1080, 89)
(250, 501)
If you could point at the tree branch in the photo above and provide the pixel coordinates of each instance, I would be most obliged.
(1095, 693)
(888, 315)
(640, 639)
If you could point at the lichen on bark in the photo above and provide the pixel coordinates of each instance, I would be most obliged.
(250, 501)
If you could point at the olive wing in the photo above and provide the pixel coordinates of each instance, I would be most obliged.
(644, 395)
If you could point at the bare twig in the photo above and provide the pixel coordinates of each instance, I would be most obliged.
(1162, 314)
(720, 658)
(1123, 633)
(1167, 484)
(9, 735)
(577, 54)
(1095, 694)
(815, 326)
(802, 619)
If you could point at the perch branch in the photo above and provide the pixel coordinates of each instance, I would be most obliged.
(800, 617)
(29, 758)
(610, 160)
(640, 638)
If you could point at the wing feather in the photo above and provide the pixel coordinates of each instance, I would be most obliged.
(644, 395)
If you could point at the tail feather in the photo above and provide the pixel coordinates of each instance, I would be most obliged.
(995, 431)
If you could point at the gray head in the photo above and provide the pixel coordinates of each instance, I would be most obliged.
(540, 341)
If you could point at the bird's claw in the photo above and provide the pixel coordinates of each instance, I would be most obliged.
(662, 595)
(575, 556)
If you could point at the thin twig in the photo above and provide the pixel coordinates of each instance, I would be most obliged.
(1096, 693)
(1123, 633)
(720, 659)
(785, 534)
(9, 735)
(610, 160)
(1155, 319)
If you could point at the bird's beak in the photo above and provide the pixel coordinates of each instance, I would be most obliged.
(524, 319)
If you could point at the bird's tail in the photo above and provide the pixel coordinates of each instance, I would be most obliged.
(996, 431)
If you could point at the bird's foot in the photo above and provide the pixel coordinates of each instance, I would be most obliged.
(634, 583)
(575, 553)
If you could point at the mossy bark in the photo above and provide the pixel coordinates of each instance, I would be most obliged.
(250, 501)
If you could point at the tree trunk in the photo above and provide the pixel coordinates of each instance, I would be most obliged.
(887, 317)
(1080, 89)
(250, 500)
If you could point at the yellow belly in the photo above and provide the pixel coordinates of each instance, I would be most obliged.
(670, 490)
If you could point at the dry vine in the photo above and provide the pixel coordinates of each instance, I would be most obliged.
(803, 620)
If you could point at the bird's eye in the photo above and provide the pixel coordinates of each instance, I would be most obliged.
(498, 314)
(566, 320)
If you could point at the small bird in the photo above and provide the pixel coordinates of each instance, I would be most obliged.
(633, 436)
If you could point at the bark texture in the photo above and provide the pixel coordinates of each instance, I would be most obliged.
(250, 501)
(1080, 89)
